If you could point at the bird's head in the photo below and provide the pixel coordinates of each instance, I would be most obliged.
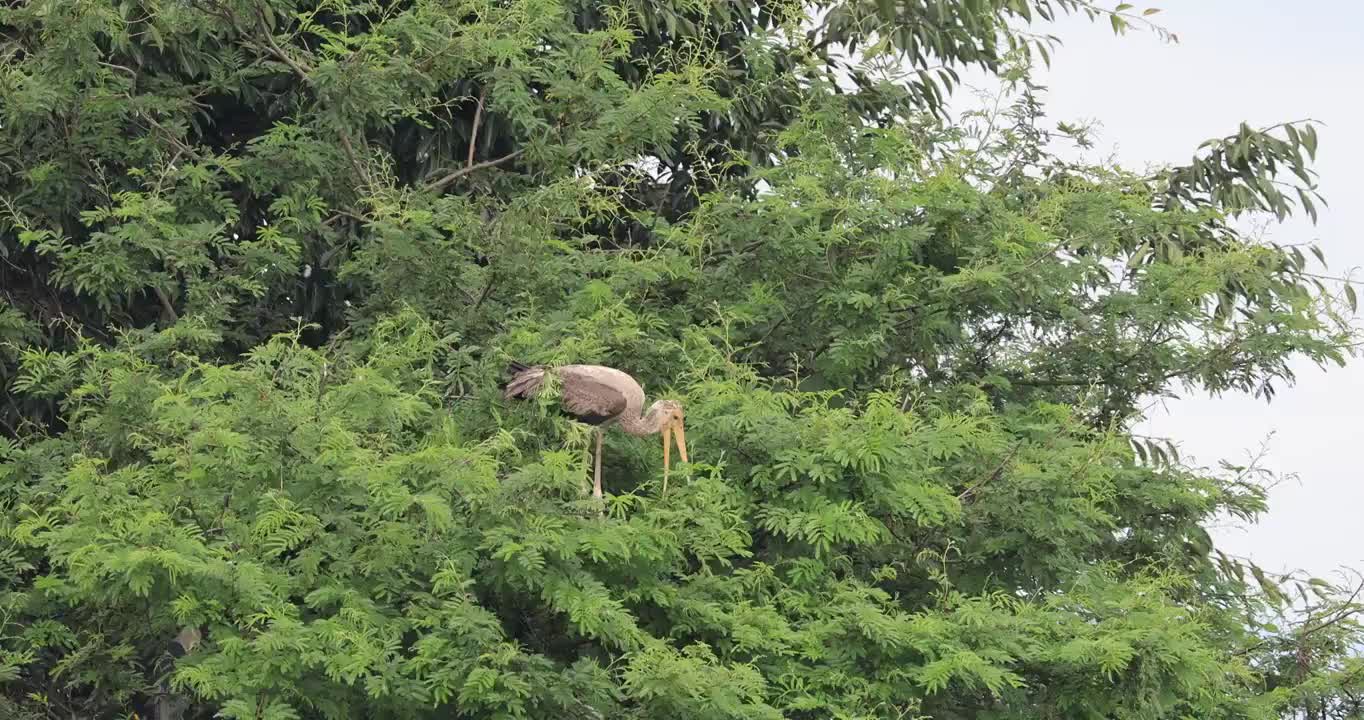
(671, 423)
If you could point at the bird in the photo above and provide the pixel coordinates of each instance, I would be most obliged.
(603, 396)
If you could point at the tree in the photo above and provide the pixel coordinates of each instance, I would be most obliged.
(264, 262)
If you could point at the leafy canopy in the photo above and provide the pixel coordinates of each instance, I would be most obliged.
(263, 263)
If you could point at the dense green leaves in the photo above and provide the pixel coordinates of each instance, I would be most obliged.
(263, 262)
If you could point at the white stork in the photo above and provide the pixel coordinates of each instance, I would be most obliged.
(602, 396)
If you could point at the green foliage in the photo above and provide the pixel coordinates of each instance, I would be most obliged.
(261, 264)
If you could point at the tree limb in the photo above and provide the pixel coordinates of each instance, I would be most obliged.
(166, 304)
(487, 289)
(298, 68)
(970, 491)
(438, 185)
(354, 159)
(473, 134)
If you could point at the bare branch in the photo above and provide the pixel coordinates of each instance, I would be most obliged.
(473, 134)
(166, 304)
(354, 159)
(995, 474)
(298, 68)
(487, 290)
(170, 167)
(438, 185)
(343, 214)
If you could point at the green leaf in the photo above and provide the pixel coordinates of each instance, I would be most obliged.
(1309, 140)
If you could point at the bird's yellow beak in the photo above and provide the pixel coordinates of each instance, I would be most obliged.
(675, 426)
(681, 439)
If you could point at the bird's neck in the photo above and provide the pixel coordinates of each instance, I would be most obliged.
(647, 424)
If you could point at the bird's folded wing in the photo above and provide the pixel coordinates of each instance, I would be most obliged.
(586, 396)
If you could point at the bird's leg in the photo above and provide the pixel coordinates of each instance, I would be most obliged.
(583, 485)
(596, 471)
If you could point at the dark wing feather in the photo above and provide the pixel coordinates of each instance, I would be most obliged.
(591, 401)
(525, 383)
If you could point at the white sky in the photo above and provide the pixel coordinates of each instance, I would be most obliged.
(1261, 61)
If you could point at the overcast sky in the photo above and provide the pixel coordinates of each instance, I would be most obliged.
(1261, 61)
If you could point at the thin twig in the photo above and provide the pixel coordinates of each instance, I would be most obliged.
(170, 167)
(218, 10)
(473, 134)
(278, 52)
(175, 142)
(1348, 609)
(354, 160)
(438, 185)
(994, 474)
(487, 289)
(114, 66)
(343, 213)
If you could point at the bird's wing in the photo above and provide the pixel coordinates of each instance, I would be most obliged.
(524, 383)
(591, 398)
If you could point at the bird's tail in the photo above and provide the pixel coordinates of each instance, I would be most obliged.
(521, 380)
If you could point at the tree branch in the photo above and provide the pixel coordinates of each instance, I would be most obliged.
(354, 159)
(166, 304)
(1347, 610)
(342, 213)
(487, 290)
(966, 495)
(299, 69)
(438, 185)
(473, 134)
